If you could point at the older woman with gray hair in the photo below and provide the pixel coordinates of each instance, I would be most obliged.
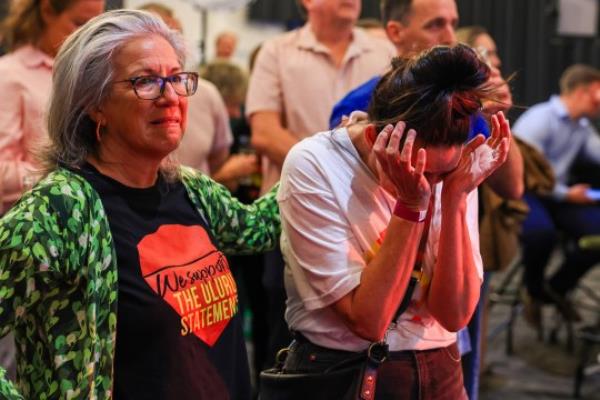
(112, 272)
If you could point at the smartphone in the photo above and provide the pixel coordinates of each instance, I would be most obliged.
(593, 194)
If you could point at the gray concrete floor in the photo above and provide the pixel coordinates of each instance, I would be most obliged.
(538, 369)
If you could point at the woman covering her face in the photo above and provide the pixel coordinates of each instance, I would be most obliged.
(366, 206)
(114, 277)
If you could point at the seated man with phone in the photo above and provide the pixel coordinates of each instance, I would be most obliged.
(561, 129)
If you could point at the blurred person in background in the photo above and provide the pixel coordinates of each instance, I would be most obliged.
(241, 166)
(500, 217)
(32, 32)
(478, 38)
(225, 45)
(297, 78)
(208, 137)
(165, 13)
(561, 130)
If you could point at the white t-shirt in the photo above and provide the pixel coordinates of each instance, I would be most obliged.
(334, 215)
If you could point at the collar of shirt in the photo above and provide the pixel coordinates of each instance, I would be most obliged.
(360, 42)
(561, 111)
(34, 58)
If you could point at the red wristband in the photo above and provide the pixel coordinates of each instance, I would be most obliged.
(400, 210)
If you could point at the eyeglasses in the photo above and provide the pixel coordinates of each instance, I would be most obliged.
(151, 87)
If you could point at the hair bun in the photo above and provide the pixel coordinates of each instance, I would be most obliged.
(436, 93)
(450, 69)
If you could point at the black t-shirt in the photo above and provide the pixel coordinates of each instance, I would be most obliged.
(179, 335)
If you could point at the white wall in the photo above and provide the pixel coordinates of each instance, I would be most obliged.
(250, 34)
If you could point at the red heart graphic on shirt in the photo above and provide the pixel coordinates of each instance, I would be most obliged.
(182, 266)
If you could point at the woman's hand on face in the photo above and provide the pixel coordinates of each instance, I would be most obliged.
(413, 189)
(480, 158)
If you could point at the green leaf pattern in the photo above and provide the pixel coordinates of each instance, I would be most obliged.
(58, 279)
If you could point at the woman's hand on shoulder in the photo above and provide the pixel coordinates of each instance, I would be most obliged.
(412, 188)
(480, 158)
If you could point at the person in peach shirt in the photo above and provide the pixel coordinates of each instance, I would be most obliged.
(32, 32)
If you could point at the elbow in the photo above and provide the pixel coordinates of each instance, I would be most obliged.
(514, 192)
(452, 320)
(510, 189)
(453, 324)
(369, 334)
(518, 189)
(366, 329)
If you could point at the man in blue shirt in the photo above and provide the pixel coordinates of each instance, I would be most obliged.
(560, 129)
(416, 25)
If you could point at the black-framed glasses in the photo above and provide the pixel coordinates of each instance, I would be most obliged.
(151, 87)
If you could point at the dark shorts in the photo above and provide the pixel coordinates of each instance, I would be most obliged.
(434, 374)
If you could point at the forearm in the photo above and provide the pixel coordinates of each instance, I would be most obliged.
(270, 138)
(455, 284)
(370, 307)
(216, 161)
(226, 174)
(507, 180)
(275, 145)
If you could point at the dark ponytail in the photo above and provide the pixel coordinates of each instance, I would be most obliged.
(436, 93)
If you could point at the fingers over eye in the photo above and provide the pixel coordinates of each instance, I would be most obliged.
(421, 161)
(394, 143)
(408, 146)
(382, 139)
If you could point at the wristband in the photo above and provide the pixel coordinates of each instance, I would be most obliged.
(400, 210)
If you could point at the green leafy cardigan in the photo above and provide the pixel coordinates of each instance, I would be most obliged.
(58, 279)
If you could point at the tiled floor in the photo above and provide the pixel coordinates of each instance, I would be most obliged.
(537, 369)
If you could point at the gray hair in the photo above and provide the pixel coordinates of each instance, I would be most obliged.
(82, 74)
